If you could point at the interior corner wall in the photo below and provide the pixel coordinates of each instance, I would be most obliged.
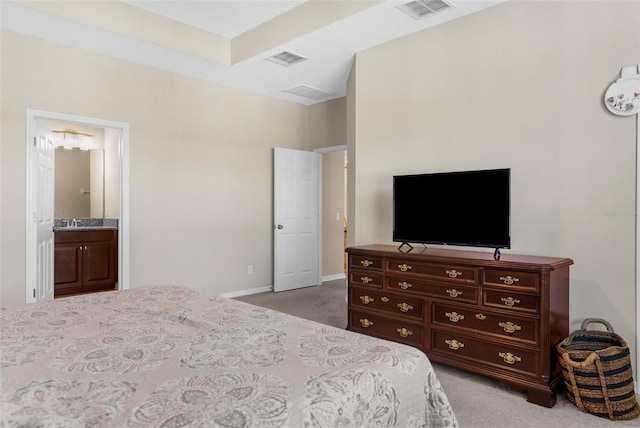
(518, 85)
(200, 179)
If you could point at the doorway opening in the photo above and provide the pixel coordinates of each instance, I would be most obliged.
(333, 210)
(40, 193)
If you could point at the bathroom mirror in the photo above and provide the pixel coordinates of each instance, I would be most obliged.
(79, 183)
(86, 182)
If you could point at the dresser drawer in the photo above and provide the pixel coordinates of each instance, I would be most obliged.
(512, 301)
(480, 351)
(448, 273)
(511, 279)
(365, 278)
(504, 325)
(452, 292)
(377, 325)
(357, 261)
(397, 305)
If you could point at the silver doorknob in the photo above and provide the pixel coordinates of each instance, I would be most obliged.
(279, 226)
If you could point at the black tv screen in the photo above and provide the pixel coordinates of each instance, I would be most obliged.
(467, 208)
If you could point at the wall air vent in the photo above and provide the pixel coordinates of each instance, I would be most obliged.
(286, 58)
(419, 9)
(308, 92)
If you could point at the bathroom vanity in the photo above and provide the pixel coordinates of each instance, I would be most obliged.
(85, 259)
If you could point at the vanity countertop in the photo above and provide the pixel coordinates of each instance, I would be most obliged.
(84, 224)
(82, 228)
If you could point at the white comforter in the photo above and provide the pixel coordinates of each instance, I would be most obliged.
(166, 356)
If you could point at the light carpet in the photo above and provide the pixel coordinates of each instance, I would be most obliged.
(478, 401)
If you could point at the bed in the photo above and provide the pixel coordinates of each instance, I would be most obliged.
(167, 356)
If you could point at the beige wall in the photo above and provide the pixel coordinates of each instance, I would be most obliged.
(200, 163)
(519, 85)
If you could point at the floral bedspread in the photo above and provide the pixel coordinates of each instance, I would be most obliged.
(167, 356)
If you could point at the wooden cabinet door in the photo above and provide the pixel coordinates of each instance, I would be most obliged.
(99, 263)
(67, 268)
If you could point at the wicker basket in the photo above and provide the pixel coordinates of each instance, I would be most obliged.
(596, 367)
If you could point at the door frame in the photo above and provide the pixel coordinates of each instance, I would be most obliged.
(31, 189)
(323, 150)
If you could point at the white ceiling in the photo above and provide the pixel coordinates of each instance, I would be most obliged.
(330, 50)
(227, 18)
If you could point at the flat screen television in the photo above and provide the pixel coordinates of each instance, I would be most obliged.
(466, 208)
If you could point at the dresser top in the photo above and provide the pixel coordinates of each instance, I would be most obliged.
(484, 258)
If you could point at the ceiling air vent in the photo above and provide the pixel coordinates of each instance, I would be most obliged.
(308, 92)
(418, 9)
(286, 58)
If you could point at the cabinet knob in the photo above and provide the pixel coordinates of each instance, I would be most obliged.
(366, 263)
(454, 344)
(509, 327)
(365, 322)
(453, 273)
(405, 285)
(404, 332)
(454, 316)
(454, 293)
(481, 316)
(404, 267)
(365, 279)
(366, 299)
(509, 280)
(510, 301)
(404, 307)
(509, 358)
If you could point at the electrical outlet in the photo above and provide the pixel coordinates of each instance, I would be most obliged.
(250, 269)
(338, 216)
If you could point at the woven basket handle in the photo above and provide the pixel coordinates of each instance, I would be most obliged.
(588, 321)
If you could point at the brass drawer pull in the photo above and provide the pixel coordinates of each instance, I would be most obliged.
(454, 293)
(509, 280)
(453, 273)
(404, 307)
(366, 299)
(384, 299)
(454, 316)
(510, 301)
(454, 344)
(404, 267)
(366, 263)
(404, 285)
(509, 358)
(481, 317)
(365, 322)
(365, 279)
(404, 332)
(509, 327)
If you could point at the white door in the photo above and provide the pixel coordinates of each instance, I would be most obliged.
(296, 214)
(43, 212)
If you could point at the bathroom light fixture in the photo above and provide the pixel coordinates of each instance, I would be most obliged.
(73, 140)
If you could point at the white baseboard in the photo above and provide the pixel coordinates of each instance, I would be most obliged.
(267, 288)
(233, 294)
(332, 277)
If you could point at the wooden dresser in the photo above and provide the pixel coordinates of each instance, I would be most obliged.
(499, 318)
